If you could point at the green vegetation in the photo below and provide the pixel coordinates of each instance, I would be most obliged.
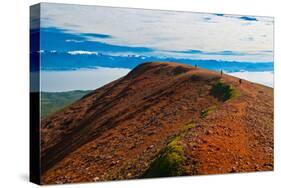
(224, 91)
(171, 159)
(170, 162)
(187, 127)
(208, 111)
(53, 101)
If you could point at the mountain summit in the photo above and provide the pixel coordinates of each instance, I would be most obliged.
(162, 119)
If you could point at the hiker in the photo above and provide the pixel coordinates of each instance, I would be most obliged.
(221, 72)
(195, 66)
(240, 81)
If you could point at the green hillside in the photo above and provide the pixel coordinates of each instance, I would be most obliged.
(53, 101)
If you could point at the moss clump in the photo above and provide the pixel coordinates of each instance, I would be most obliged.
(224, 91)
(170, 162)
(187, 127)
(208, 111)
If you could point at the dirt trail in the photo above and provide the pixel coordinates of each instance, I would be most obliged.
(229, 140)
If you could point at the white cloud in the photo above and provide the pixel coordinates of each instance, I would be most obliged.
(90, 79)
(164, 30)
(80, 52)
(264, 78)
(72, 40)
(82, 79)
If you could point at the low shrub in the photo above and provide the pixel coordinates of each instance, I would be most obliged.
(170, 162)
(224, 91)
(208, 111)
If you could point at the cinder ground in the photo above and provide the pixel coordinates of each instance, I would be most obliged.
(123, 129)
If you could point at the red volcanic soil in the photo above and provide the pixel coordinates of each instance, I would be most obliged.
(120, 130)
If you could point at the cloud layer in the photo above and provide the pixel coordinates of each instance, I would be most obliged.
(264, 78)
(87, 79)
(166, 32)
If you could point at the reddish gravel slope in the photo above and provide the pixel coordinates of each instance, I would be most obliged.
(121, 130)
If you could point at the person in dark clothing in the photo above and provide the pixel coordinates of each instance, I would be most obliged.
(240, 81)
(221, 72)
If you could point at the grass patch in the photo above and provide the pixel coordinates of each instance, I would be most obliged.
(187, 127)
(171, 159)
(224, 91)
(170, 162)
(208, 111)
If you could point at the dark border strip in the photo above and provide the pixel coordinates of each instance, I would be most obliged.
(34, 96)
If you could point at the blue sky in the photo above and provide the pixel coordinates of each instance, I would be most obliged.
(124, 31)
(85, 47)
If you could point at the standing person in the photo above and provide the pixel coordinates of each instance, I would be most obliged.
(240, 81)
(221, 73)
